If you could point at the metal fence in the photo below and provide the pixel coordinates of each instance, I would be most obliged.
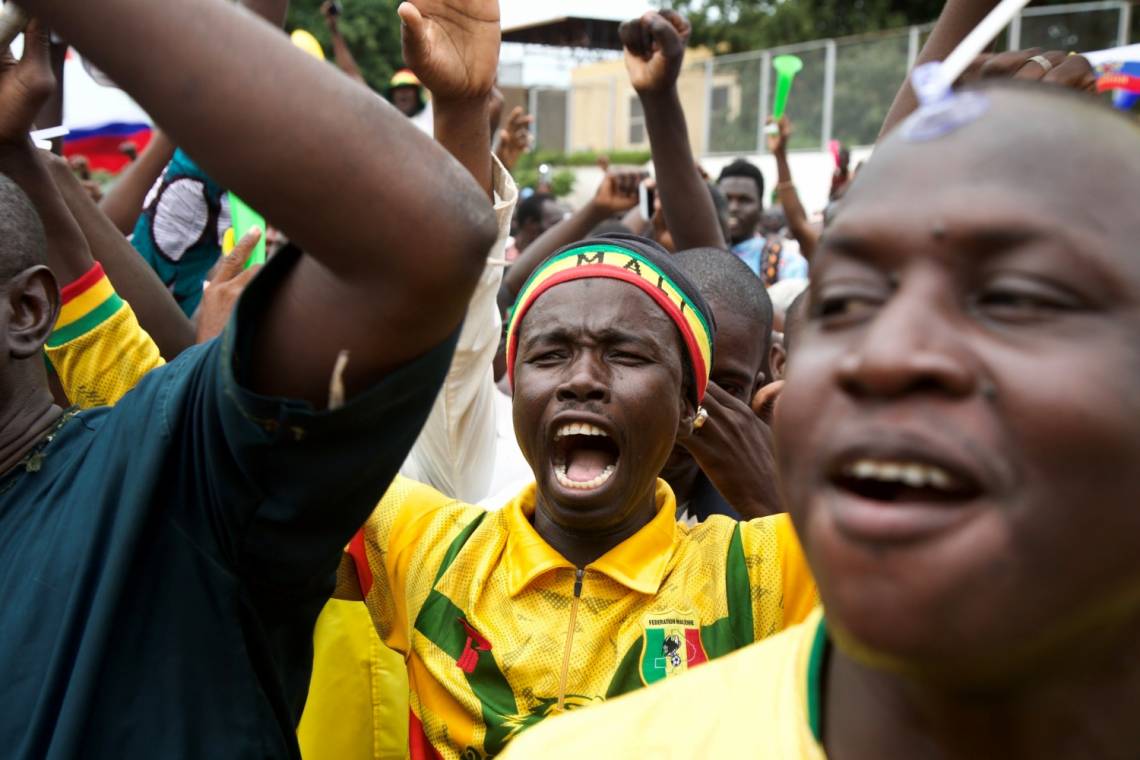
(843, 93)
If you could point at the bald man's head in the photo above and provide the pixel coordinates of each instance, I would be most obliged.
(1038, 149)
(22, 241)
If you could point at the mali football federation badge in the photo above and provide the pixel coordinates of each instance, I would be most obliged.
(670, 645)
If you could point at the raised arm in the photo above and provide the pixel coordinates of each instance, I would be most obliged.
(124, 201)
(514, 139)
(455, 451)
(797, 217)
(654, 52)
(134, 281)
(456, 57)
(342, 54)
(957, 20)
(25, 87)
(370, 269)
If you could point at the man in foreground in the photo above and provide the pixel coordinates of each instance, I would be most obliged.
(165, 560)
(936, 481)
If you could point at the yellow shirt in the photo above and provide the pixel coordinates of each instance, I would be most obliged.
(98, 348)
(499, 631)
(760, 702)
(358, 697)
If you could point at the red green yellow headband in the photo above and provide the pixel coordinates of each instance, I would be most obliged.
(605, 259)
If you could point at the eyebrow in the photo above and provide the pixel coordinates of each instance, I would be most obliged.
(608, 335)
(982, 240)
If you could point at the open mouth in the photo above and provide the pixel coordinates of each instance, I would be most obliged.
(892, 481)
(585, 456)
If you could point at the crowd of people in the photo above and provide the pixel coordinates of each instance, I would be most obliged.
(704, 476)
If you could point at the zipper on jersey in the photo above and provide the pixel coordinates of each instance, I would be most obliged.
(578, 575)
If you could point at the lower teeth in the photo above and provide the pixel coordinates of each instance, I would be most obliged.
(564, 479)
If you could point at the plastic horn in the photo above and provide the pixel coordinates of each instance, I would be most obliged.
(786, 66)
(12, 22)
(245, 218)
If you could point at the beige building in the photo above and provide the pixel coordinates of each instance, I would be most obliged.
(605, 113)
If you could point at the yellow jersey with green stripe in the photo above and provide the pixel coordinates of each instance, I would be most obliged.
(763, 701)
(98, 348)
(499, 631)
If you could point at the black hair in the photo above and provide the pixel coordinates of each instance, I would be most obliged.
(530, 210)
(793, 319)
(725, 279)
(23, 243)
(742, 168)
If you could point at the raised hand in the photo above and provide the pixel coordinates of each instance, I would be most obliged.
(1035, 64)
(655, 49)
(452, 45)
(514, 139)
(734, 433)
(618, 191)
(25, 85)
(223, 290)
(330, 11)
(778, 141)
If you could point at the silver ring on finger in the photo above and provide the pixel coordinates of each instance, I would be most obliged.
(1043, 62)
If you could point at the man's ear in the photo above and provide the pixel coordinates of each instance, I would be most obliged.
(32, 301)
(688, 414)
(778, 357)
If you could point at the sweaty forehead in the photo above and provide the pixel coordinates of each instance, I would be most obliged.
(598, 308)
(1051, 153)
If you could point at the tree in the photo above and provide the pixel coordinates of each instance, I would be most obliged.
(729, 26)
(370, 27)
(868, 72)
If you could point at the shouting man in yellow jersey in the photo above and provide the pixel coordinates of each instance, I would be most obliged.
(584, 586)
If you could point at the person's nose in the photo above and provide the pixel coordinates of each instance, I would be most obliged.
(586, 380)
(913, 345)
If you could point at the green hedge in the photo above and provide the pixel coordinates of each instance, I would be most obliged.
(562, 180)
(583, 158)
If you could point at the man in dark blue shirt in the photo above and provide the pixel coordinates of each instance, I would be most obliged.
(162, 563)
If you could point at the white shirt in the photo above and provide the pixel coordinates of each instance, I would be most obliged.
(512, 472)
(455, 453)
